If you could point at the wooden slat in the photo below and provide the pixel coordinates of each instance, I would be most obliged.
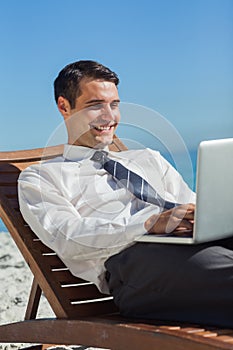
(31, 155)
(114, 335)
(53, 261)
(40, 247)
(98, 308)
(65, 277)
(14, 203)
(8, 168)
(22, 165)
(117, 145)
(84, 292)
(9, 191)
(8, 178)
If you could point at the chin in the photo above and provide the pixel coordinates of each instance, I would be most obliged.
(104, 140)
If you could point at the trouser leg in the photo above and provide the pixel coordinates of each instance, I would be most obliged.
(175, 282)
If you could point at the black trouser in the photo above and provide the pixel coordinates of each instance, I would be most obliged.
(175, 282)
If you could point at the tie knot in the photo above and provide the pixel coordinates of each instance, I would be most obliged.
(100, 157)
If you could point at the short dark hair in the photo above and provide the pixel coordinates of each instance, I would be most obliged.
(67, 83)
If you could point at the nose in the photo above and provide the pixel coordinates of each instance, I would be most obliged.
(108, 113)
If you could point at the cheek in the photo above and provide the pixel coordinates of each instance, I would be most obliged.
(89, 116)
(117, 115)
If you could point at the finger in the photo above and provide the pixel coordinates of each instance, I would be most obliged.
(186, 224)
(182, 214)
(191, 206)
(183, 211)
(175, 224)
(189, 216)
(186, 207)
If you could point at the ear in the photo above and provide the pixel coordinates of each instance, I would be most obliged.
(64, 106)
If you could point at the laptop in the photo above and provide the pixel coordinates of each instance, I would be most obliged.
(213, 218)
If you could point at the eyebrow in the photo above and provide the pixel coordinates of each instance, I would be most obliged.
(99, 101)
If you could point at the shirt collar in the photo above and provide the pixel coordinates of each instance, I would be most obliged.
(78, 153)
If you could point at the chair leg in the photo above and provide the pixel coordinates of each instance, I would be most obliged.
(33, 302)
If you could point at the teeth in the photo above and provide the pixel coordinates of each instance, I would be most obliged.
(103, 127)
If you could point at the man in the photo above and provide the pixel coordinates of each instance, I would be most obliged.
(91, 218)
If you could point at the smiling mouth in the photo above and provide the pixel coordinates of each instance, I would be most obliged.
(103, 127)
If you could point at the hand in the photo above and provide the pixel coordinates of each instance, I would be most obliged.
(179, 218)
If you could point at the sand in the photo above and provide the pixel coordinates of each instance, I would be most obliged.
(15, 284)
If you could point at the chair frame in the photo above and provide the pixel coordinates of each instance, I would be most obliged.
(83, 314)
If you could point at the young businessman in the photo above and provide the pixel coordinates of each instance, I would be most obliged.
(78, 205)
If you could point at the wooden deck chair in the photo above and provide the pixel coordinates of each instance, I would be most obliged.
(83, 315)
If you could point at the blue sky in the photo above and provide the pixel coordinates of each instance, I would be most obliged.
(172, 56)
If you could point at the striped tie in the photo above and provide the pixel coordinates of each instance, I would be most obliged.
(133, 182)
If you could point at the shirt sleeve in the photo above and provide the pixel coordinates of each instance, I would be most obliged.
(60, 226)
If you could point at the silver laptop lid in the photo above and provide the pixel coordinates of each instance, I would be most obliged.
(214, 206)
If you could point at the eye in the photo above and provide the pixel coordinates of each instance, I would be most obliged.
(115, 104)
(96, 106)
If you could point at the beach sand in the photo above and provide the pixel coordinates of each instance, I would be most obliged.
(15, 282)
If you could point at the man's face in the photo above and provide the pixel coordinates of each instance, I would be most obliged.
(96, 114)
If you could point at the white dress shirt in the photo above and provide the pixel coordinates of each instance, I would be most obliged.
(76, 208)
